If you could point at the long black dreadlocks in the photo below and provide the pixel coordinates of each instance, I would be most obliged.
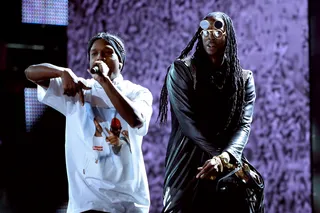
(233, 69)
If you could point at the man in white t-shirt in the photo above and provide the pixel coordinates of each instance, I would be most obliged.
(106, 119)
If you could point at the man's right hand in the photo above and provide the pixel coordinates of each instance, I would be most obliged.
(72, 86)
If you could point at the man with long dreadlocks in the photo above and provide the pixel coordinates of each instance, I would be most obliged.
(212, 100)
(105, 172)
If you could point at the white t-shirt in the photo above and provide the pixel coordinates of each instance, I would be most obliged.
(101, 178)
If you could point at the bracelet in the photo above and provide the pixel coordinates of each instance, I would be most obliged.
(225, 162)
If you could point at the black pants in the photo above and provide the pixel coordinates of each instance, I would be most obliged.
(93, 211)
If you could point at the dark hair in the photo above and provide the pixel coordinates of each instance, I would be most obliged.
(115, 41)
(233, 69)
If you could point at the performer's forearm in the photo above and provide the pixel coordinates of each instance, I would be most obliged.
(45, 71)
(122, 104)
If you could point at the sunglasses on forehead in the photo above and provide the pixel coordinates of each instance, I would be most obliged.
(216, 32)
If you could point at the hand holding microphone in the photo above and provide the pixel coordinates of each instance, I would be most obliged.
(99, 69)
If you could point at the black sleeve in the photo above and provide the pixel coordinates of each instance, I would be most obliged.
(241, 135)
(180, 89)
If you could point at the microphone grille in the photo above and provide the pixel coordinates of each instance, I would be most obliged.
(94, 70)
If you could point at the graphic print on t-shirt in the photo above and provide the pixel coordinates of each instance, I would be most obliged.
(111, 132)
(106, 161)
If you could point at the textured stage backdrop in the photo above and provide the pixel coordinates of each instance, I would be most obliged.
(273, 43)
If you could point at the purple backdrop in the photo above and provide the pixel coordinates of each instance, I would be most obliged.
(273, 43)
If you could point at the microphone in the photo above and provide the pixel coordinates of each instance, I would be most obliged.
(94, 70)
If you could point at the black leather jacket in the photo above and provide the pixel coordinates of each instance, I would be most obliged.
(189, 147)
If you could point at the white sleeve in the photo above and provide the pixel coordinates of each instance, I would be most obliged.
(143, 103)
(53, 95)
